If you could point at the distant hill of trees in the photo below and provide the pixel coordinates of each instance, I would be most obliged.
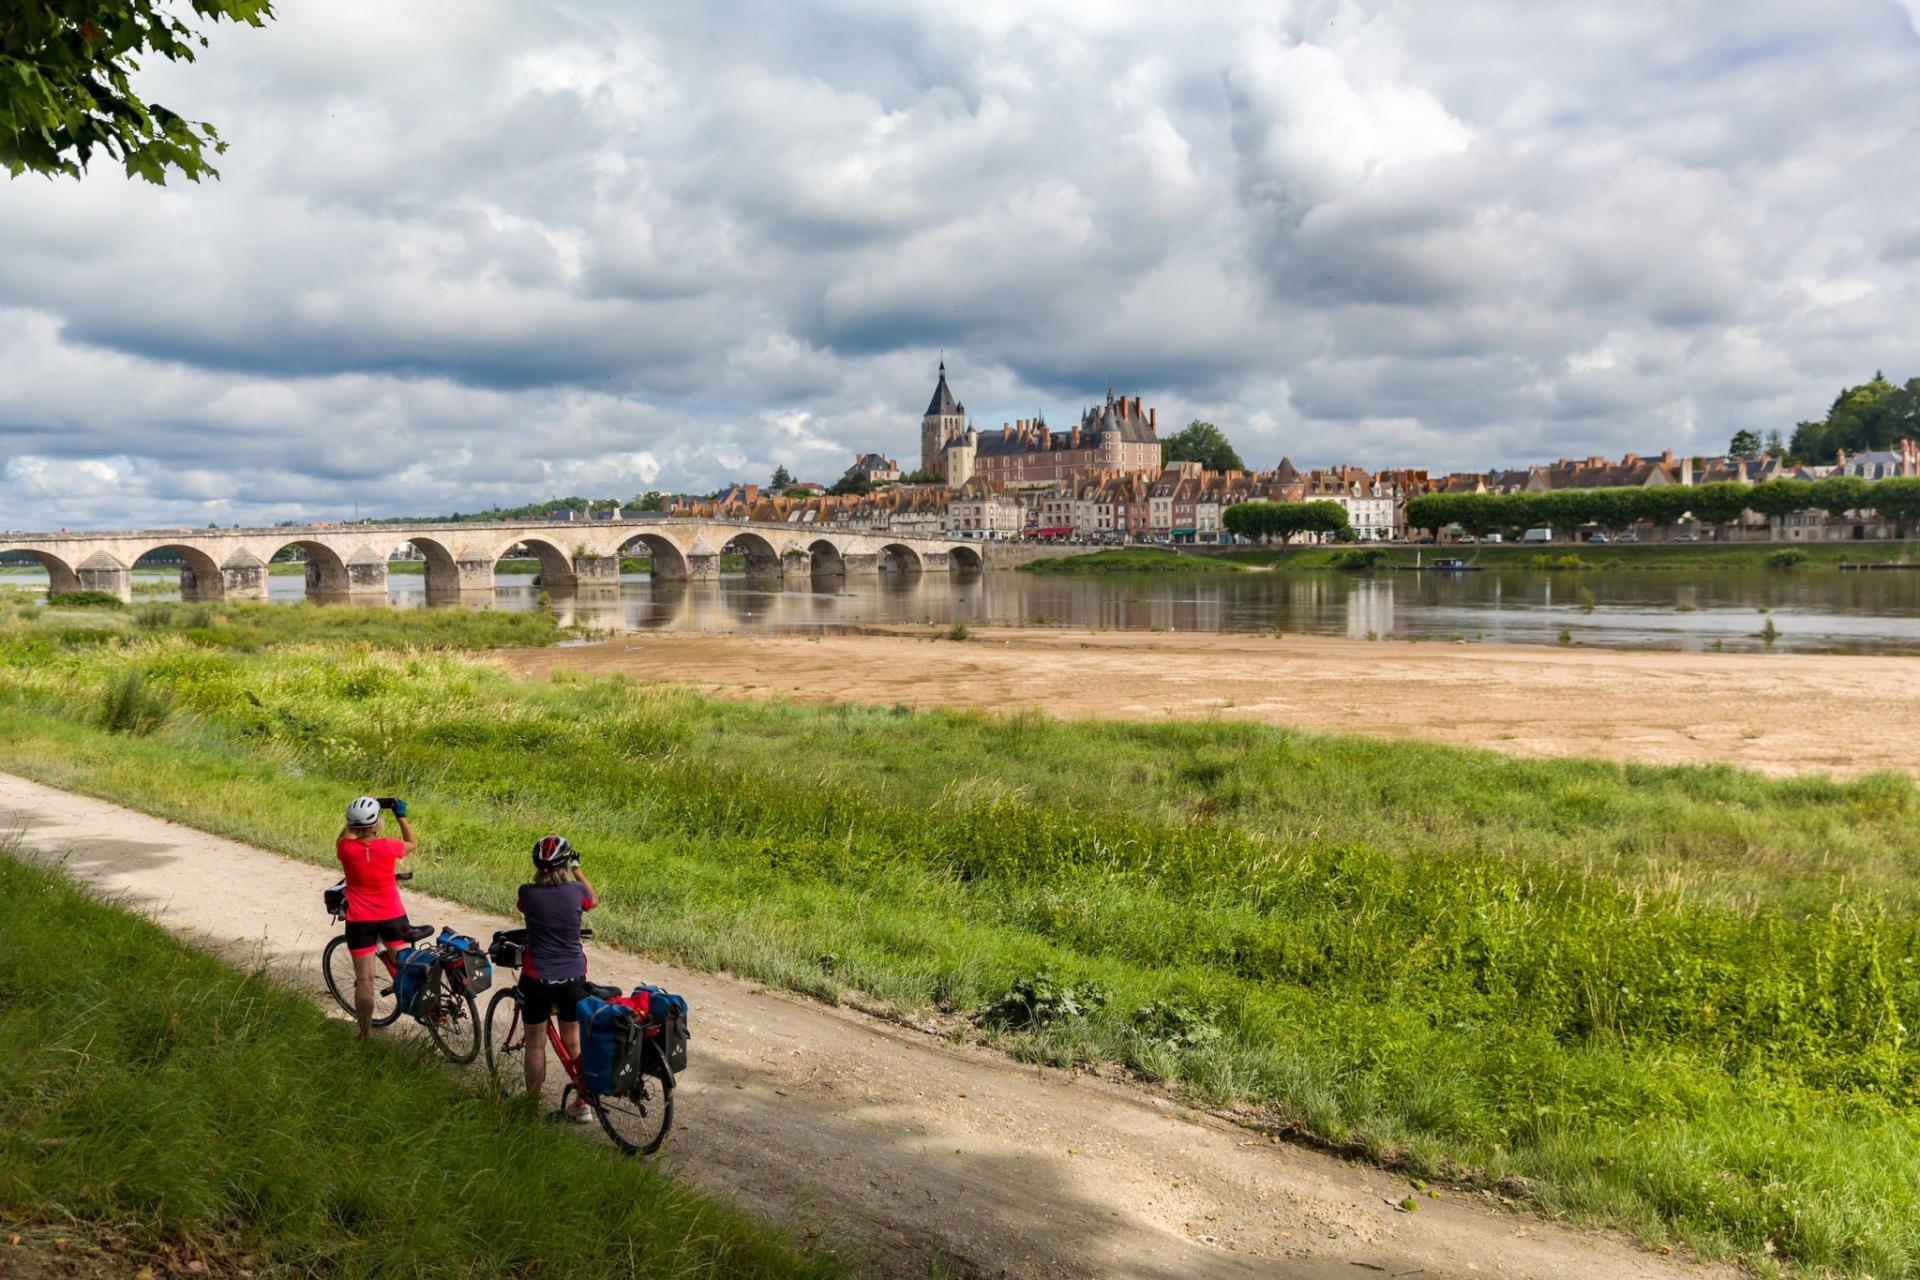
(1874, 415)
(537, 510)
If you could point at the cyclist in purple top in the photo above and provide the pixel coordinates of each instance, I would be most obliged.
(554, 978)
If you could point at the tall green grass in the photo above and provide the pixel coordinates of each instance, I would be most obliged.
(148, 1086)
(1678, 999)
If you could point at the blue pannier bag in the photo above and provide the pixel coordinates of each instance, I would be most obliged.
(410, 970)
(610, 1038)
(668, 1013)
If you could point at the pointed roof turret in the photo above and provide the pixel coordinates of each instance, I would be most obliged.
(943, 404)
(1286, 474)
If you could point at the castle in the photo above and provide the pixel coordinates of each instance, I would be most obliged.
(1116, 437)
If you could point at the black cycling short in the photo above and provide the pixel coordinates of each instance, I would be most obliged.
(556, 999)
(363, 936)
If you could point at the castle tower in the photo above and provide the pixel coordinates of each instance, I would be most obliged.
(945, 421)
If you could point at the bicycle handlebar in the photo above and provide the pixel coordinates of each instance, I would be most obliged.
(403, 875)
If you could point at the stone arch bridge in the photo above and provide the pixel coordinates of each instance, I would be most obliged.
(350, 561)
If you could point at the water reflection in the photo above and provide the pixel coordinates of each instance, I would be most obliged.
(1810, 611)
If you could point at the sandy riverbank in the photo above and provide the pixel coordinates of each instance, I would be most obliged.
(1786, 713)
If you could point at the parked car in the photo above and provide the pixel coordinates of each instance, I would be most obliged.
(1596, 538)
(1628, 537)
(1537, 535)
(1686, 537)
(1492, 537)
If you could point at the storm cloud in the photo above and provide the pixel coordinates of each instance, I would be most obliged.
(474, 252)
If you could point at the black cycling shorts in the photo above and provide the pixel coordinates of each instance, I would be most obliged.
(555, 999)
(363, 936)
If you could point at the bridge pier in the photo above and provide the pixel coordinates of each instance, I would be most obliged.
(361, 579)
(934, 559)
(242, 577)
(860, 562)
(101, 572)
(796, 571)
(597, 573)
(470, 578)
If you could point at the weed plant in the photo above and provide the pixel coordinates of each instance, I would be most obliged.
(151, 1086)
(1132, 560)
(1679, 999)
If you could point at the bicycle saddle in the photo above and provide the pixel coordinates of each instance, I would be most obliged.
(604, 993)
(419, 931)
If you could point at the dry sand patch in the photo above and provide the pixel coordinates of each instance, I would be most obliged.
(1778, 713)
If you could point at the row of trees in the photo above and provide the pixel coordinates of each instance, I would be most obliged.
(1616, 510)
(1258, 520)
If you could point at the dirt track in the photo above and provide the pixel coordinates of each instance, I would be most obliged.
(894, 1144)
(1786, 713)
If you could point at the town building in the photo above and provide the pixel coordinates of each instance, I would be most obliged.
(1118, 435)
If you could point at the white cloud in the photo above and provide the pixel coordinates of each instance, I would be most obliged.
(474, 251)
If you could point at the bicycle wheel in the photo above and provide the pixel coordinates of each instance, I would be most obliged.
(336, 965)
(638, 1121)
(506, 1034)
(450, 1018)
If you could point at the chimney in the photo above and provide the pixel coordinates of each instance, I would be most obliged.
(1666, 455)
(753, 493)
(1153, 419)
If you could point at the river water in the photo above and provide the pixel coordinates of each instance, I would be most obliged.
(1811, 611)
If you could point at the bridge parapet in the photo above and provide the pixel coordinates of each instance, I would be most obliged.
(349, 562)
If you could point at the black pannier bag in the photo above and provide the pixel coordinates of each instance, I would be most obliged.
(336, 900)
(508, 948)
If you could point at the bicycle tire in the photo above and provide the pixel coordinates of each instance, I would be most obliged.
(506, 1033)
(638, 1122)
(336, 966)
(450, 1019)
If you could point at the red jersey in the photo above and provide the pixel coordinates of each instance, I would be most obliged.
(371, 892)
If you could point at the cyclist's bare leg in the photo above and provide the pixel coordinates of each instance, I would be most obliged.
(364, 968)
(570, 1037)
(534, 1059)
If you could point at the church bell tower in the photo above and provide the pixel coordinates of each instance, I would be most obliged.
(945, 422)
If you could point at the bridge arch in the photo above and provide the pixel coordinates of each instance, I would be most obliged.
(899, 558)
(962, 556)
(443, 567)
(327, 577)
(60, 575)
(556, 566)
(761, 555)
(826, 557)
(200, 577)
(669, 562)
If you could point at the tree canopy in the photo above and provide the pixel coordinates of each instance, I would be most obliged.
(1722, 502)
(1745, 444)
(65, 89)
(1873, 415)
(1204, 443)
(1284, 519)
(781, 479)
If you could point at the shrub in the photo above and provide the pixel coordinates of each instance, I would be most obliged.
(1041, 1001)
(1786, 558)
(87, 600)
(129, 706)
(1358, 560)
(958, 631)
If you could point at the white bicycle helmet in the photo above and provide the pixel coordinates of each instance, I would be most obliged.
(363, 812)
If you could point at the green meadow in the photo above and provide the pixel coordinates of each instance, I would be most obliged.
(1676, 1000)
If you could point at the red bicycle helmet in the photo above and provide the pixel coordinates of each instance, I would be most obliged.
(553, 853)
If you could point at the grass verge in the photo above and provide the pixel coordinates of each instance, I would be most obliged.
(1675, 999)
(1693, 557)
(155, 1093)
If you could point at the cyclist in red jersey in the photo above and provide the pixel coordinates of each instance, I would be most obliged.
(375, 916)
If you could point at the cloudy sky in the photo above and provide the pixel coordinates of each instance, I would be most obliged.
(479, 251)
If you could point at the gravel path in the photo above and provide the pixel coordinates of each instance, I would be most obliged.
(893, 1144)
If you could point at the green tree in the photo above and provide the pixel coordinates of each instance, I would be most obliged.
(1721, 502)
(65, 90)
(1837, 495)
(923, 477)
(1780, 497)
(1898, 500)
(1745, 444)
(782, 478)
(1284, 520)
(1201, 442)
(856, 484)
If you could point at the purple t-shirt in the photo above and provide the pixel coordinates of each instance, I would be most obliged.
(553, 912)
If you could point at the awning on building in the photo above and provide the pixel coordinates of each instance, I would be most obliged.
(1057, 531)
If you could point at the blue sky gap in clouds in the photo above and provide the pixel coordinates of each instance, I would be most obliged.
(478, 251)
